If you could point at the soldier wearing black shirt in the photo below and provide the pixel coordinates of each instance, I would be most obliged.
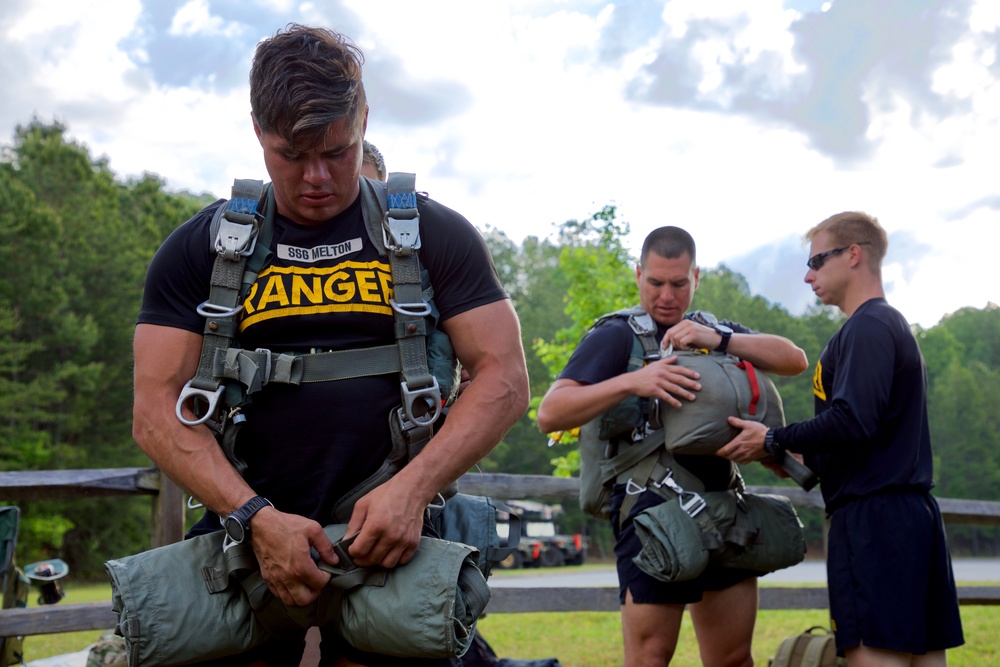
(892, 591)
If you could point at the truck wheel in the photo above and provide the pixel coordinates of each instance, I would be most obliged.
(551, 558)
(511, 562)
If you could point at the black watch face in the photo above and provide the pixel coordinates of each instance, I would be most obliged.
(723, 329)
(235, 529)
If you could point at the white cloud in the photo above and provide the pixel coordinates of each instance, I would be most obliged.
(543, 128)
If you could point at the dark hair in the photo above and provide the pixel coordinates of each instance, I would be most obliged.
(669, 243)
(303, 79)
(373, 156)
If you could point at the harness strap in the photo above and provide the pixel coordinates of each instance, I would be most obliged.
(236, 227)
(754, 385)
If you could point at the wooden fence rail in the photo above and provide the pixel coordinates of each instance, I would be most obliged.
(168, 526)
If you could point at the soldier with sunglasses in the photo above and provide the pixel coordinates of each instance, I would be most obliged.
(892, 592)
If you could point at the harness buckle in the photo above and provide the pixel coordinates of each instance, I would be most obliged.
(400, 236)
(235, 239)
(194, 393)
(415, 309)
(668, 481)
(632, 488)
(208, 310)
(432, 397)
(692, 503)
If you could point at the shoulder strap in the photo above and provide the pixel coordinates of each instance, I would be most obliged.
(235, 230)
(393, 225)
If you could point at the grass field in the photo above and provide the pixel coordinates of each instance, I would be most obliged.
(592, 639)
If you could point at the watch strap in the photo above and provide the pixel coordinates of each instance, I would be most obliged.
(726, 334)
(245, 512)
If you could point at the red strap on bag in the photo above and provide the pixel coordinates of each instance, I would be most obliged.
(754, 386)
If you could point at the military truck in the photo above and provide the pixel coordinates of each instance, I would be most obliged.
(541, 545)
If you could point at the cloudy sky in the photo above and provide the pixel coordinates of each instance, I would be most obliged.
(744, 122)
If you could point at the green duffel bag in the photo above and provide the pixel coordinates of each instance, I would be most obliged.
(190, 601)
(755, 532)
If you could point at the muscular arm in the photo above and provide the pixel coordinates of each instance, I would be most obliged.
(568, 403)
(165, 359)
(487, 340)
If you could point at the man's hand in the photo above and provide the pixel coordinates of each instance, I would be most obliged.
(388, 520)
(689, 335)
(665, 380)
(748, 445)
(282, 542)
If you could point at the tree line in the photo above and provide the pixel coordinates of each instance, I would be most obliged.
(75, 242)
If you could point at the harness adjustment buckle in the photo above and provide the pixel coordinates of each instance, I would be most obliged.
(190, 392)
(632, 488)
(692, 503)
(236, 239)
(208, 310)
(415, 309)
(430, 395)
(400, 236)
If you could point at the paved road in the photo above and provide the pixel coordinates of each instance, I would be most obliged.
(967, 571)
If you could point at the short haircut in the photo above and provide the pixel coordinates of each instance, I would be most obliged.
(302, 80)
(852, 227)
(373, 156)
(669, 243)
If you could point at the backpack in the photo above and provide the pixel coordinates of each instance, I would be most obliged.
(813, 648)
(422, 355)
(635, 440)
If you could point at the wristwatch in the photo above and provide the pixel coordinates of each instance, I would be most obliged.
(726, 333)
(771, 446)
(237, 524)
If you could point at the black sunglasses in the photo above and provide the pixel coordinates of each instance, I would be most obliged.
(817, 261)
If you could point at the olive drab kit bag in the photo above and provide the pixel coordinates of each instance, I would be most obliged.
(815, 647)
(634, 444)
(427, 608)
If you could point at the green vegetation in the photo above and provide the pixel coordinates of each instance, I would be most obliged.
(591, 639)
(74, 245)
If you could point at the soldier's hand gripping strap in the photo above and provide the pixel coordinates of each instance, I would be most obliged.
(192, 601)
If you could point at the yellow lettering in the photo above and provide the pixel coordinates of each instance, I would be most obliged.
(274, 292)
(338, 289)
(368, 286)
(312, 294)
(248, 306)
(818, 382)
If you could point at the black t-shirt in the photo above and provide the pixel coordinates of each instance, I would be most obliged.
(870, 433)
(326, 289)
(604, 353)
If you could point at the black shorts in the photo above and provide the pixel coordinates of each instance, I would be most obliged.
(889, 575)
(646, 589)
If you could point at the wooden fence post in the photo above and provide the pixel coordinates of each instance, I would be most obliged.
(168, 514)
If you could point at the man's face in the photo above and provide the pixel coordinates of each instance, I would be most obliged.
(828, 282)
(314, 184)
(666, 287)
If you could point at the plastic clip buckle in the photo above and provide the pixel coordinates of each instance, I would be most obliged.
(190, 392)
